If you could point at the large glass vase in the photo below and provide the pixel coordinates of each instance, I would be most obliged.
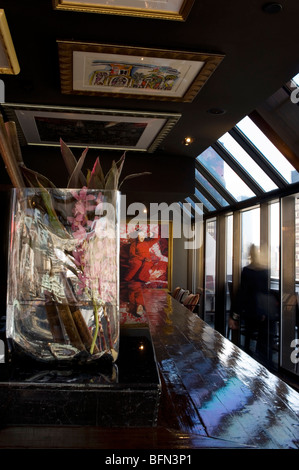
(63, 274)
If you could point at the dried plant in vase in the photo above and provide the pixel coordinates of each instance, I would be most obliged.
(63, 263)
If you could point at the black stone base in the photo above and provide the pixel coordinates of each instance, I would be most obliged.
(126, 393)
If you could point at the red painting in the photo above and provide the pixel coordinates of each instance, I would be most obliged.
(144, 264)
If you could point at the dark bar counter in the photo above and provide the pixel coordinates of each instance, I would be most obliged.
(213, 396)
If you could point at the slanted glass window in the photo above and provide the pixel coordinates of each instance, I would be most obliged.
(225, 175)
(185, 209)
(203, 199)
(205, 183)
(268, 150)
(242, 157)
(197, 207)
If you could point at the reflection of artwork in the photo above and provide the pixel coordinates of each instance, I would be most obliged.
(133, 76)
(90, 132)
(144, 263)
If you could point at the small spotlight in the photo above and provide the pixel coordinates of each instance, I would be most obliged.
(141, 347)
(188, 140)
(272, 7)
(216, 111)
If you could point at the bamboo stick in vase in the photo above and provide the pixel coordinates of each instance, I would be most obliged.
(9, 158)
(66, 317)
(81, 325)
(53, 319)
(12, 134)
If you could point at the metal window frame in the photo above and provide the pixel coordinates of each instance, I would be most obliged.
(238, 169)
(259, 158)
(213, 181)
(207, 195)
(195, 199)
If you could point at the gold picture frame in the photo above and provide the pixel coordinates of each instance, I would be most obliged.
(167, 10)
(133, 72)
(109, 129)
(8, 59)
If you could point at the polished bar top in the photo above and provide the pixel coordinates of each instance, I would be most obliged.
(213, 396)
(223, 391)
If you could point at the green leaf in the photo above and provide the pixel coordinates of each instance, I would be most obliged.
(70, 161)
(134, 175)
(97, 178)
(55, 224)
(33, 177)
(70, 268)
(120, 163)
(111, 180)
(76, 179)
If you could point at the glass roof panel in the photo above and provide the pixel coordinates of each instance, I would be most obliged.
(225, 175)
(198, 208)
(184, 208)
(202, 199)
(205, 183)
(242, 157)
(268, 150)
(296, 79)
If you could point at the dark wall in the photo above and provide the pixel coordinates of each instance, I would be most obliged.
(171, 178)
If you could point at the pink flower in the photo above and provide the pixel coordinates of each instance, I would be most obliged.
(80, 233)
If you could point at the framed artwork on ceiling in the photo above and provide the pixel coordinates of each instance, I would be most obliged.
(133, 72)
(8, 59)
(93, 128)
(145, 263)
(166, 9)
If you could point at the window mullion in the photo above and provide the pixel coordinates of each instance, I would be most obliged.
(258, 158)
(238, 169)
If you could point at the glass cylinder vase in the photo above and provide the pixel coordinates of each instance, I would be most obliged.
(63, 274)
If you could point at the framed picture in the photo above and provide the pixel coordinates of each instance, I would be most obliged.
(166, 9)
(145, 263)
(93, 128)
(8, 59)
(133, 72)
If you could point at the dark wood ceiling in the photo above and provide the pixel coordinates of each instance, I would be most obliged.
(260, 49)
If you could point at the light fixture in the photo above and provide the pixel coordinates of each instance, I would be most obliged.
(272, 7)
(188, 140)
(216, 111)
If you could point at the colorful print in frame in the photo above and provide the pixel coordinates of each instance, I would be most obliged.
(133, 72)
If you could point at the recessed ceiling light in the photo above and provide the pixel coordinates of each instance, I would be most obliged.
(272, 7)
(216, 111)
(188, 140)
